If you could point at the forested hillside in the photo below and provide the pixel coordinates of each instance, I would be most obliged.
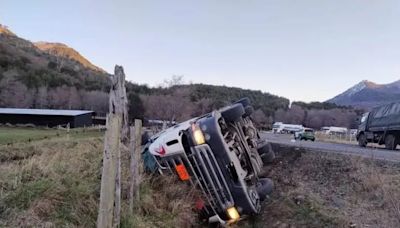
(182, 101)
(32, 78)
(58, 77)
(317, 115)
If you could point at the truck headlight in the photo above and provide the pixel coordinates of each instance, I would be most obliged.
(233, 214)
(198, 134)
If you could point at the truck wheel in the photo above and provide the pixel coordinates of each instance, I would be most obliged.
(362, 140)
(244, 101)
(390, 142)
(234, 113)
(267, 153)
(248, 111)
(264, 187)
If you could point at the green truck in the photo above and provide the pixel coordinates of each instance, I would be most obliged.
(381, 125)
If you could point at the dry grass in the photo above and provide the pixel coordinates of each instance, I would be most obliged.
(56, 185)
(325, 190)
(164, 202)
(56, 182)
(344, 139)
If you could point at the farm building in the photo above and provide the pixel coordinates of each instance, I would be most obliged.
(46, 117)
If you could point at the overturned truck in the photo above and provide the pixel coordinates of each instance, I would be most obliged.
(222, 154)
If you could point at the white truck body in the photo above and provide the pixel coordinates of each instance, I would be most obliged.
(334, 130)
(280, 127)
(168, 142)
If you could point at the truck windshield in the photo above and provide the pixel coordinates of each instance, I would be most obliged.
(364, 117)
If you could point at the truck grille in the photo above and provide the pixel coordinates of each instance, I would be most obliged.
(205, 174)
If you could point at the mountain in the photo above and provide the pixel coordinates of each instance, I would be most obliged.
(4, 30)
(48, 75)
(55, 76)
(47, 65)
(367, 94)
(62, 50)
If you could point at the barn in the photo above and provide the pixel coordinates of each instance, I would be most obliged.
(46, 117)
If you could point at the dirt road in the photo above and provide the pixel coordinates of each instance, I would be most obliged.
(375, 153)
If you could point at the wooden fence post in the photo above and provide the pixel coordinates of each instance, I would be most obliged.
(117, 132)
(135, 172)
(107, 194)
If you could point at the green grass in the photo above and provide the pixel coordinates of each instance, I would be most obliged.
(14, 134)
(55, 182)
(10, 135)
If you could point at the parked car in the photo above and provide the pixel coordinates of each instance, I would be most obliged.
(307, 134)
(222, 154)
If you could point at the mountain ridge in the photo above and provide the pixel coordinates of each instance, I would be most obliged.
(63, 50)
(367, 94)
(56, 49)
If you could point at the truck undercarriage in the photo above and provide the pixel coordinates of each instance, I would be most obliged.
(222, 155)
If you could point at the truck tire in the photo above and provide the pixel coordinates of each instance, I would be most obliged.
(362, 140)
(390, 142)
(248, 111)
(234, 113)
(244, 101)
(267, 153)
(264, 187)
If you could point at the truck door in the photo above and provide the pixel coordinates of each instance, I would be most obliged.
(363, 122)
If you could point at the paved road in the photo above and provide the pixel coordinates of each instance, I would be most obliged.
(376, 153)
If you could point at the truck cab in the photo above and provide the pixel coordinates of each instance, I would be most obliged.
(363, 122)
(362, 130)
(381, 126)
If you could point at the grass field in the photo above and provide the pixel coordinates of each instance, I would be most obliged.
(51, 178)
(54, 181)
(9, 135)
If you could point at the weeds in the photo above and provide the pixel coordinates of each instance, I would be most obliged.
(56, 183)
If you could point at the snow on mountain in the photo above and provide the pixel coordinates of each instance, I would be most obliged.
(368, 94)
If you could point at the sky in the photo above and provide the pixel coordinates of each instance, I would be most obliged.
(308, 50)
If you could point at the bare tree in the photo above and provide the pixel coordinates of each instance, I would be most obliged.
(74, 99)
(96, 101)
(175, 80)
(260, 118)
(59, 97)
(16, 95)
(41, 98)
(174, 107)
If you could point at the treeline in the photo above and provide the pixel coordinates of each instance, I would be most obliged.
(31, 78)
(182, 101)
(319, 116)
